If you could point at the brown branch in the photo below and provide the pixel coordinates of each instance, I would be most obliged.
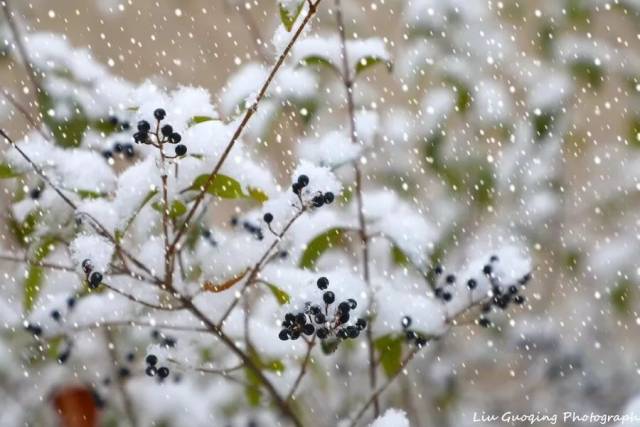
(303, 369)
(25, 113)
(253, 275)
(376, 394)
(364, 239)
(141, 302)
(17, 38)
(312, 8)
(112, 350)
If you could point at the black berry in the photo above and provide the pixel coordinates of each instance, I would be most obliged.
(323, 283)
(361, 324)
(451, 279)
(303, 181)
(151, 359)
(406, 322)
(309, 329)
(472, 284)
(268, 217)
(95, 279)
(159, 114)
(519, 299)
(144, 126)
(352, 303)
(487, 269)
(163, 372)
(175, 137)
(150, 371)
(284, 334)
(320, 318)
(317, 201)
(322, 333)
(166, 130)
(329, 297)
(55, 315)
(328, 197)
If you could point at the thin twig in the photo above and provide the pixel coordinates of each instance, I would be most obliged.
(17, 38)
(376, 394)
(25, 113)
(364, 239)
(243, 123)
(119, 380)
(303, 369)
(141, 302)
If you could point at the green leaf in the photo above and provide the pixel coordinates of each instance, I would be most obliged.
(222, 186)
(390, 349)
(176, 209)
(32, 286)
(318, 61)
(621, 297)
(320, 244)
(258, 195)
(200, 119)
(6, 171)
(399, 257)
(67, 132)
(281, 296)
(288, 17)
(367, 62)
(252, 389)
(87, 194)
(228, 188)
(23, 231)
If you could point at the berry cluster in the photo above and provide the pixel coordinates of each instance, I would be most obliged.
(115, 122)
(325, 321)
(502, 295)
(94, 278)
(124, 149)
(249, 227)
(163, 134)
(411, 335)
(318, 200)
(152, 370)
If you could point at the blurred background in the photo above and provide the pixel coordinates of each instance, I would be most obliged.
(508, 120)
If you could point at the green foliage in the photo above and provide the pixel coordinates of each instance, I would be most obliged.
(22, 231)
(227, 188)
(367, 62)
(200, 119)
(634, 132)
(320, 244)
(33, 281)
(587, 71)
(68, 132)
(399, 257)
(621, 297)
(6, 171)
(543, 124)
(176, 208)
(288, 17)
(281, 296)
(390, 349)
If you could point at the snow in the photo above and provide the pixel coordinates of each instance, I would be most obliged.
(95, 248)
(391, 418)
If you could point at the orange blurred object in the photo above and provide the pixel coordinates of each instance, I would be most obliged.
(76, 406)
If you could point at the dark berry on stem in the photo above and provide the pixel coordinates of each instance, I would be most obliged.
(309, 329)
(323, 283)
(406, 322)
(472, 284)
(284, 334)
(129, 151)
(166, 130)
(159, 114)
(35, 193)
(352, 332)
(55, 315)
(296, 188)
(317, 201)
(328, 197)
(484, 322)
(438, 269)
(361, 324)
(328, 297)
(124, 372)
(86, 265)
(320, 318)
(451, 279)
(141, 137)
(513, 289)
(71, 302)
(352, 303)
(95, 279)
(344, 307)
(290, 317)
(487, 269)
(163, 372)
(268, 217)
(144, 126)
(344, 318)
(175, 137)
(150, 371)
(446, 296)
(303, 181)
(151, 359)
(519, 299)
(322, 333)
(315, 309)
(181, 150)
